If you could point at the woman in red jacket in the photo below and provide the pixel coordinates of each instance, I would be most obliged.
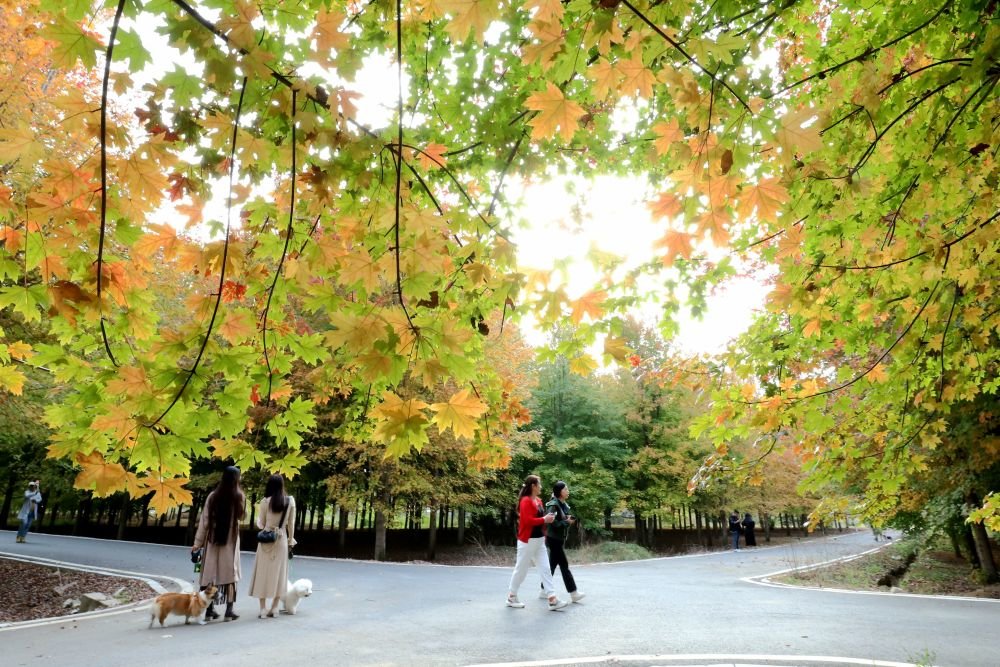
(532, 520)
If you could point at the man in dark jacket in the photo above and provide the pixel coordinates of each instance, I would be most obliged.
(734, 529)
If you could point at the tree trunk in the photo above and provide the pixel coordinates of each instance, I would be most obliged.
(607, 518)
(697, 527)
(432, 537)
(253, 508)
(145, 509)
(765, 519)
(380, 524)
(322, 514)
(461, 526)
(953, 537)
(970, 545)
(123, 517)
(640, 524)
(982, 540)
(342, 528)
(8, 496)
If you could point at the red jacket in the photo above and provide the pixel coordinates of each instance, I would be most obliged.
(531, 514)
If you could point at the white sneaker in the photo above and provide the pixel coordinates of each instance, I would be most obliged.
(512, 601)
(542, 595)
(576, 596)
(556, 604)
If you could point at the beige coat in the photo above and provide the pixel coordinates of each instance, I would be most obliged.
(220, 563)
(270, 564)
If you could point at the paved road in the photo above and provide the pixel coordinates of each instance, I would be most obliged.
(366, 613)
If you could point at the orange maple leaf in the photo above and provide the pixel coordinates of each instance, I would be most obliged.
(549, 43)
(556, 114)
(667, 134)
(590, 304)
(97, 474)
(605, 77)
(432, 157)
(678, 244)
(715, 221)
(169, 493)
(812, 328)
(637, 77)
(666, 205)
(766, 197)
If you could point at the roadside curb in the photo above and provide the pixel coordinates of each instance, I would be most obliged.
(153, 581)
(765, 580)
(706, 659)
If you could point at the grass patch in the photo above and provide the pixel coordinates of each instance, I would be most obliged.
(860, 574)
(608, 552)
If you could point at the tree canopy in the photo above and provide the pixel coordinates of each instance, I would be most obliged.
(846, 152)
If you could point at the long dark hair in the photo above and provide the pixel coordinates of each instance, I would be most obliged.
(529, 481)
(275, 490)
(227, 505)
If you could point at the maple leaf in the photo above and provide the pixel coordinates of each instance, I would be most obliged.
(677, 244)
(715, 221)
(327, 32)
(616, 348)
(401, 423)
(667, 134)
(556, 114)
(459, 414)
(766, 197)
(20, 350)
(97, 474)
(636, 77)
(168, 493)
(590, 304)
(162, 238)
(432, 156)
(131, 380)
(549, 43)
(666, 205)
(239, 326)
(355, 334)
(12, 380)
(794, 138)
(238, 26)
(470, 17)
(605, 77)
(583, 365)
(812, 328)
(877, 375)
(547, 10)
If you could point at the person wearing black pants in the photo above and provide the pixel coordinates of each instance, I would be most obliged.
(555, 537)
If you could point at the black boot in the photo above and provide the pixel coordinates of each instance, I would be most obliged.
(230, 614)
(210, 613)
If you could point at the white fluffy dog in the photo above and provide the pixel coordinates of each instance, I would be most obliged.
(302, 588)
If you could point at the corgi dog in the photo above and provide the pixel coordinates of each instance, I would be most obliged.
(188, 605)
(302, 588)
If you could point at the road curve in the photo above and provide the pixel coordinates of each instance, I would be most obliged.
(666, 611)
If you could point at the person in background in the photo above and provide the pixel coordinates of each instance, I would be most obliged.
(29, 510)
(219, 534)
(734, 529)
(531, 523)
(270, 563)
(749, 539)
(556, 536)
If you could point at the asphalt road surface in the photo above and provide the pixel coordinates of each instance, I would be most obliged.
(690, 610)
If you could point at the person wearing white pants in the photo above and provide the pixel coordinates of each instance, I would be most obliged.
(532, 520)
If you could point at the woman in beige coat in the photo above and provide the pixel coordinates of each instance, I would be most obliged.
(270, 565)
(219, 534)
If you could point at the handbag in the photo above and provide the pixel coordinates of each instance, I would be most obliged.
(268, 536)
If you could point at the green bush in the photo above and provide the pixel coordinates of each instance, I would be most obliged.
(606, 552)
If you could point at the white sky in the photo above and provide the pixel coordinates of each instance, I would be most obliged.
(616, 220)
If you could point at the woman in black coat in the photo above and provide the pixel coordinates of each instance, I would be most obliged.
(748, 536)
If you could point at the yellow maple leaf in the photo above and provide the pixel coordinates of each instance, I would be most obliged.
(583, 365)
(470, 17)
(358, 266)
(795, 139)
(238, 25)
(12, 380)
(547, 10)
(590, 304)
(356, 334)
(812, 328)
(790, 243)
(131, 380)
(548, 43)
(159, 238)
(667, 134)
(401, 423)
(766, 197)
(431, 372)
(678, 244)
(327, 33)
(877, 375)
(556, 113)
(117, 421)
(459, 414)
(615, 347)
(168, 493)
(97, 474)
(636, 77)
(20, 350)
(605, 77)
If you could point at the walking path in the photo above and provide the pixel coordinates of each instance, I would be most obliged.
(705, 609)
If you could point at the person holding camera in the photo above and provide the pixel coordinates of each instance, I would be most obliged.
(29, 510)
(556, 536)
(532, 519)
